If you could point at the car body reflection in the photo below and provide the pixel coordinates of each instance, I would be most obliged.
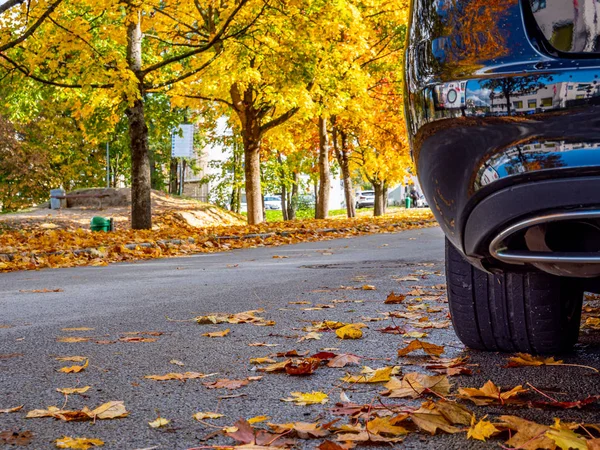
(536, 156)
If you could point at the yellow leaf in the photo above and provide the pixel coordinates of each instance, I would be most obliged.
(525, 359)
(489, 393)
(11, 410)
(482, 430)
(416, 384)
(307, 398)
(566, 438)
(72, 339)
(369, 287)
(218, 333)
(258, 419)
(310, 336)
(206, 415)
(78, 443)
(159, 422)
(377, 376)
(349, 332)
(262, 361)
(74, 369)
(70, 391)
(430, 349)
(178, 376)
(110, 410)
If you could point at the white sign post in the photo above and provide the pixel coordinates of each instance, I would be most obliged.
(182, 146)
(182, 142)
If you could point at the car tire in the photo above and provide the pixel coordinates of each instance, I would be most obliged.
(530, 312)
(358, 206)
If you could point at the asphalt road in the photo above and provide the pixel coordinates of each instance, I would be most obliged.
(162, 295)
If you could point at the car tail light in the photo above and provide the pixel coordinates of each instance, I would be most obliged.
(568, 26)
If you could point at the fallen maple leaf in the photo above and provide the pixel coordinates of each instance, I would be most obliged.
(377, 376)
(159, 422)
(11, 410)
(109, 410)
(310, 336)
(218, 333)
(565, 438)
(481, 430)
(206, 415)
(262, 361)
(306, 366)
(277, 367)
(307, 398)
(304, 430)
(431, 421)
(369, 287)
(230, 384)
(78, 329)
(137, 339)
(179, 376)
(70, 391)
(453, 412)
(78, 443)
(258, 419)
(489, 393)
(393, 298)
(529, 435)
(430, 349)
(350, 331)
(73, 339)
(525, 359)
(74, 369)
(261, 344)
(385, 426)
(392, 330)
(414, 384)
(343, 360)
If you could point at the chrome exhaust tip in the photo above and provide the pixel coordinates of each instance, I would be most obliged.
(562, 243)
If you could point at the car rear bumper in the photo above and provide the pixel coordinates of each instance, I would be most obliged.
(487, 156)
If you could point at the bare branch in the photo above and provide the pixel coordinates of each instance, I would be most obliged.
(9, 4)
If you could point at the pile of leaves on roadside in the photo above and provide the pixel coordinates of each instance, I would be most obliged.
(36, 249)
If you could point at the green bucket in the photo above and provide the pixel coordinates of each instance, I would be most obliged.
(408, 201)
(100, 224)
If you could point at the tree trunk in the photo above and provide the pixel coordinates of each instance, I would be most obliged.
(293, 203)
(173, 176)
(324, 175)
(284, 210)
(141, 206)
(340, 144)
(253, 189)
(385, 197)
(379, 201)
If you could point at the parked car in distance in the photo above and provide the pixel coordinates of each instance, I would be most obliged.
(505, 138)
(365, 199)
(272, 202)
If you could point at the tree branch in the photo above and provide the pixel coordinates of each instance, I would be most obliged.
(186, 75)
(211, 99)
(9, 4)
(25, 72)
(216, 38)
(279, 120)
(32, 28)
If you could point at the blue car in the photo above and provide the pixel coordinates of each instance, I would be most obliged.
(503, 112)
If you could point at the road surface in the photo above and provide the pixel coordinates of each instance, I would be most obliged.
(163, 295)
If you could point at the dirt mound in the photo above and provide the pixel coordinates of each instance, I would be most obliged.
(116, 203)
(91, 198)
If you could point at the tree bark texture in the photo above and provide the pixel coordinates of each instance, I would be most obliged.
(340, 144)
(324, 171)
(141, 206)
(379, 200)
(292, 205)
